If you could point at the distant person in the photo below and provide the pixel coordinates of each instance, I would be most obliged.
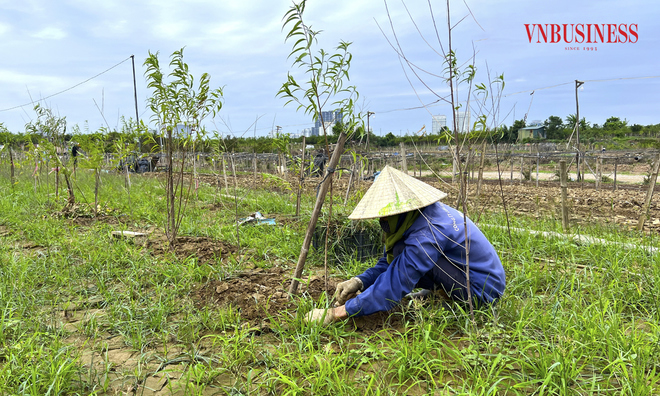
(319, 163)
(75, 150)
(424, 248)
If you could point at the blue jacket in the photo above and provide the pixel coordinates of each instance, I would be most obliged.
(423, 244)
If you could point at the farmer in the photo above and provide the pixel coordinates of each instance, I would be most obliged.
(75, 150)
(319, 163)
(424, 248)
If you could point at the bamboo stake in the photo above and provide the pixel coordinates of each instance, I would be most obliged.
(254, 164)
(481, 168)
(511, 179)
(233, 171)
(598, 170)
(564, 195)
(323, 190)
(616, 163)
(350, 181)
(224, 171)
(11, 160)
(538, 156)
(301, 177)
(649, 195)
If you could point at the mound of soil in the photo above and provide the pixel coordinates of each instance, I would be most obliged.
(206, 250)
(261, 297)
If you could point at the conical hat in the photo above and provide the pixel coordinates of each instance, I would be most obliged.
(394, 192)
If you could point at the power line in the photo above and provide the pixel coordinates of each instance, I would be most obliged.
(520, 92)
(68, 89)
(623, 78)
(572, 82)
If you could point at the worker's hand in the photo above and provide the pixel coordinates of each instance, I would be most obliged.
(347, 288)
(319, 314)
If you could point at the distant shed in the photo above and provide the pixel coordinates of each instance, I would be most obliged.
(532, 132)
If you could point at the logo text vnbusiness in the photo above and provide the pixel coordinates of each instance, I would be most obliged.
(587, 33)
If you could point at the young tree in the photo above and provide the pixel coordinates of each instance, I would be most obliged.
(325, 87)
(465, 94)
(51, 129)
(93, 146)
(179, 109)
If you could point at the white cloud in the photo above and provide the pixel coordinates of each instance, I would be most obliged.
(4, 29)
(21, 80)
(50, 33)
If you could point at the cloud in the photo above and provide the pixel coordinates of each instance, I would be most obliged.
(50, 33)
(13, 78)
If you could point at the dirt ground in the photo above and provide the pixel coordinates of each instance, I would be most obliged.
(261, 296)
(205, 250)
(586, 204)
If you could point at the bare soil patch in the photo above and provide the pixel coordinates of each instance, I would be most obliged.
(204, 249)
(261, 297)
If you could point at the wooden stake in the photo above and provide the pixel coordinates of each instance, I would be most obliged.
(301, 177)
(11, 160)
(538, 157)
(323, 190)
(350, 181)
(649, 195)
(598, 176)
(404, 160)
(233, 171)
(224, 171)
(564, 196)
(511, 179)
(616, 163)
(254, 166)
(481, 168)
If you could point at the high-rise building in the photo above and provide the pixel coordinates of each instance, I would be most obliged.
(330, 118)
(463, 121)
(438, 124)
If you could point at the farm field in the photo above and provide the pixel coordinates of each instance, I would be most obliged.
(85, 312)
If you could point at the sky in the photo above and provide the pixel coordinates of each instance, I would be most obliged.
(59, 52)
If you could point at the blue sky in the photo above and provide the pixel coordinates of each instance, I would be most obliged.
(50, 46)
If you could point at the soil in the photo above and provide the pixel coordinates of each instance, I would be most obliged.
(261, 297)
(586, 204)
(205, 250)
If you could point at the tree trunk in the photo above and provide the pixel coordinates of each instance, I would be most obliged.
(564, 195)
(320, 198)
(11, 160)
(71, 201)
(97, 181)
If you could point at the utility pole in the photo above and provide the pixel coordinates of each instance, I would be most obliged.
(137, 116)
(577, 127)
(369, 114)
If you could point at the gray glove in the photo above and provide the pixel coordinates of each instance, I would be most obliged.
(320, 316)
(347, 288)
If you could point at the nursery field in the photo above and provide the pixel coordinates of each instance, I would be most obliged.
(83, 311)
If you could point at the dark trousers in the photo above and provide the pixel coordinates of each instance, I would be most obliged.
(448, 277)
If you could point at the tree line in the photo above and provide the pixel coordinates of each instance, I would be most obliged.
(556, 128)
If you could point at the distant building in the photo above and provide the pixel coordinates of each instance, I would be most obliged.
(330, 118)
(438, 124)
(532, 132)
(463, 121)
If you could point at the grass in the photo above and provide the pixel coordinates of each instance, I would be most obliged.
(575, 320)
